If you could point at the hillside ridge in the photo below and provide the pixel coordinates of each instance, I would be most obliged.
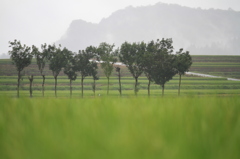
(209, 32)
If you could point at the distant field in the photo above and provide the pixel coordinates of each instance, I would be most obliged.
(190, 86)
(225, 66)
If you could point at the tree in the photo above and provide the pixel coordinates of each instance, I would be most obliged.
(148, 58)
(57, 61)
(132, 56)
(42, 58)
(93, 72)
(83, 65)
(21, 57)
(107, 56)
(118, 70)
(183, 63)
(93, 65)
(70, 70)
(163, 64)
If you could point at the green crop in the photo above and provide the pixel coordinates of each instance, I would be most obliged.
(117, 128)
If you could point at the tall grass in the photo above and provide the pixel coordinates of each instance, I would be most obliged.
(131, 127)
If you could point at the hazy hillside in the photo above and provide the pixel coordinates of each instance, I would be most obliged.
(199, 31)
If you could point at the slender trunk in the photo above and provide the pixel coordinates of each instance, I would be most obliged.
(70, 88)
(82, 84)
(179, 84)
(136, 83)
(108, 86)
(55, 86)
(149, 83)
(94, 86)
(19, 76)
(162, 90)
(43, 85)
(30, 88)
(120, 85)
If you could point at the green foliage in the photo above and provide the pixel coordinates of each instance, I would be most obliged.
(58, 59)
(20, 54)
(70, 69)
(163, 64)
(82, 63)
(183, 62)
(132, 55)
(107, 56)
(148, 59)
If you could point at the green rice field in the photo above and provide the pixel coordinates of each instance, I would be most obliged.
(143, 128)
(225, 66)
(202, 123)
(189, 86)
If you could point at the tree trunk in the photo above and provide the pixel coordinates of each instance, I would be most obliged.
(82, 85)
(162, 90)
(94, 87)
(43, 85)
(149, 83)
(120, 85)
(19, 76)
(136, 83)
(108, 86)
(70, 88)
(179, 84)
(55, 77)
(31, 81)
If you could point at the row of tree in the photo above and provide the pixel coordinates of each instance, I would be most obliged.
(155, 59)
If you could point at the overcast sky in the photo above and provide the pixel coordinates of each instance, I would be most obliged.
(45, 21)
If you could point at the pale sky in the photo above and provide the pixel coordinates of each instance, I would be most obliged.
(45, 21)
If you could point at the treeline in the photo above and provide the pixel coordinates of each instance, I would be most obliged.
(155, 59)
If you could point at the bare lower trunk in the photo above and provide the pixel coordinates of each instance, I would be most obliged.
(19, 76)
(30, 88)
(162, 90)
(55, 77)
(82, 85)
(149, 83)
(108, 86)
(94, 87)
(43, 85)
(179, 84)
(120, 85)
(70, 88)
(136, 84)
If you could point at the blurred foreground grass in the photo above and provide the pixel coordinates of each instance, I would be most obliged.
(122, 128)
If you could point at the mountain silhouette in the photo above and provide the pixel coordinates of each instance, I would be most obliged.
(199, 31)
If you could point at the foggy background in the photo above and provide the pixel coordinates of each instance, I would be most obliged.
(37, 22)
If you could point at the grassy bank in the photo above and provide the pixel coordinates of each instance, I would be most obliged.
(181, 128)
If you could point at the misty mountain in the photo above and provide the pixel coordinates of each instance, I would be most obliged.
(199, 31)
